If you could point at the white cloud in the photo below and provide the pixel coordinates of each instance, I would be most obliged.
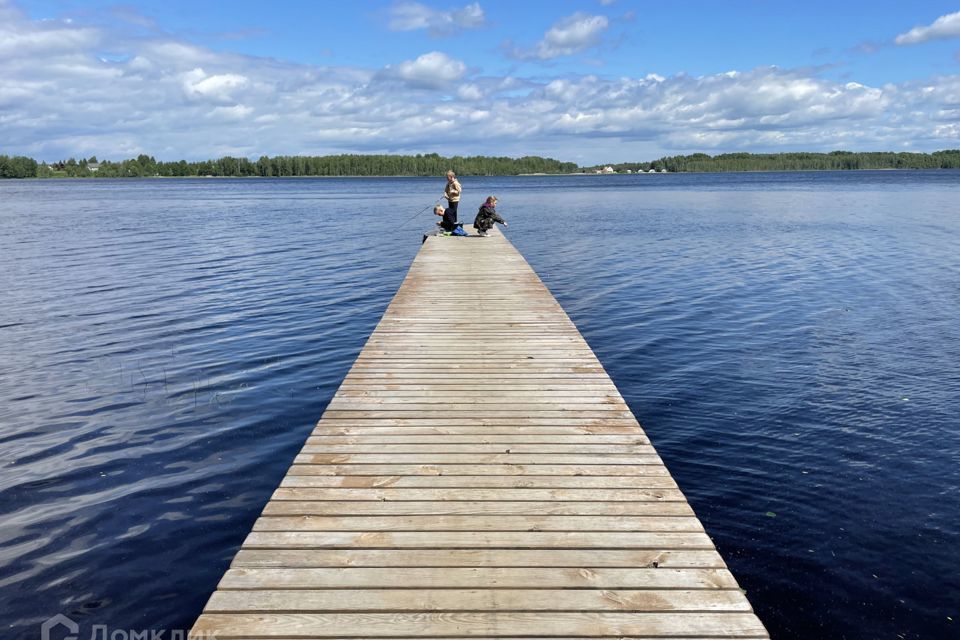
(44, 41)
(221, 87)
(573, 34)
(567, 36)
(469, 92)
(173, 99)
(434, 70)
(412, 16)
(944, 27)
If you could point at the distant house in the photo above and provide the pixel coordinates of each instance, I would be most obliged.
(93, 166)
(608, 170)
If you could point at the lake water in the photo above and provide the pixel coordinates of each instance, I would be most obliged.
(790, 343)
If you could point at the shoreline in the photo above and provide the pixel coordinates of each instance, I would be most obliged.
(504, 175)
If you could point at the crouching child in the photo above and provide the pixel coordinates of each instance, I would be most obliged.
(448, 221)
(487, 216)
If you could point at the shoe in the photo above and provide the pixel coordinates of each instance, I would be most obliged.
(482, 234)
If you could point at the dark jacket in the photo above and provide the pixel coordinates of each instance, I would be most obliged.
(486, 217)
(449, 221)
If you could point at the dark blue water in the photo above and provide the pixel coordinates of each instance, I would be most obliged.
(790, 342)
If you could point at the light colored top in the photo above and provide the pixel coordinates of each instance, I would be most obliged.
(452, 192)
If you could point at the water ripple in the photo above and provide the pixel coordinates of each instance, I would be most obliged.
(788, 341)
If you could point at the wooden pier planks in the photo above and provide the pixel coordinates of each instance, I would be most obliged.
(477, 475)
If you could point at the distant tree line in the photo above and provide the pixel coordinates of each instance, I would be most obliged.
(835, 160)
(432, 164)
(282, 166)
(18, 167)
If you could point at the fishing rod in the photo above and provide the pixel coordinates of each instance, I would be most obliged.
(433, 204)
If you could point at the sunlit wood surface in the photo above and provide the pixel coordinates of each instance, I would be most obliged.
(477, 475)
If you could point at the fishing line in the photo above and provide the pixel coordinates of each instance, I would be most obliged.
(433, 204)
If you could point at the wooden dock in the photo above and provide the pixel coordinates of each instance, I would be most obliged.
(477, 475)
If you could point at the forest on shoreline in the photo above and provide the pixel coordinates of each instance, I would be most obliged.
(832, 161)
(433, 164)
(283, 166)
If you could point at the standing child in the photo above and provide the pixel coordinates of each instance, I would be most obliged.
(486, 216)
(452, 193)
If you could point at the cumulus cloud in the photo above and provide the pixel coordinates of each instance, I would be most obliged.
(44, 40)
(470, 92)
(220, 87)
(434, 70)
(175, 99)
(567, 36)
(942, 28)
(413, 16)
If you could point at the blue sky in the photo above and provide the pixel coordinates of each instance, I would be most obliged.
(591, 82)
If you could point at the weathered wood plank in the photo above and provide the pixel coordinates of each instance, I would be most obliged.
(389, 494)
(520, 430)
(447, 402)
(480, 522)
(481, 482)
(623, 558)
(321, 437)
(468, 577)
(477, 458)
(420, 422)
(452, 390)
(475, 539)
(479, 447)
(400, 600)
(304, 466)
(466, 508)
(473, 624)
(520, 414)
